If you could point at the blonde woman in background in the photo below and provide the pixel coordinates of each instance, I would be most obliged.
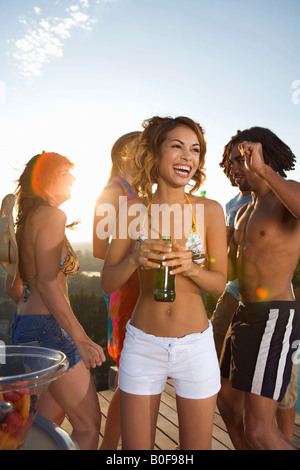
(121, 302)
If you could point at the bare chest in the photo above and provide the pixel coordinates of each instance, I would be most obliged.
(265, 226)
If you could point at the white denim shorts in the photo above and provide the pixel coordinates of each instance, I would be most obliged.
(191, 362)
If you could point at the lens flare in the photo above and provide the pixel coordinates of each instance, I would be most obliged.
(38, 175)
(263, 293)
(45, 169)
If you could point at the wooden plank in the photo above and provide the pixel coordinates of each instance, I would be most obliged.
(67, 426)
(169, 400)
(107, 394)
(297, 431)
(296, 442)
(222, 437)
(167, 432)
(170, 389)
(168, 427)
(167, 411)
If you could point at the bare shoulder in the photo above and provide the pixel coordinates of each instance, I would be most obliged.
(48, 215)
(210, 205)
(294, 182)
(110, 193)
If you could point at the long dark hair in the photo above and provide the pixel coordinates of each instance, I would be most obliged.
(37, 175)
(276, 153)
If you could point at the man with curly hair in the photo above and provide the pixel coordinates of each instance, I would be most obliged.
(257, 357)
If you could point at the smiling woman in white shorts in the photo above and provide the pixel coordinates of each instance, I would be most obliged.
(169, 339)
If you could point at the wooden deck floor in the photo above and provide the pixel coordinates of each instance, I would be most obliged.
(167, 423)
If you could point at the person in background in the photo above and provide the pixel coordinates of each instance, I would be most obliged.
(229, 300)
(257, 357)
(121, 302)
(169, 339)
(44, 315)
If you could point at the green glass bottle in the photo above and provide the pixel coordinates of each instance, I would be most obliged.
(164, 282)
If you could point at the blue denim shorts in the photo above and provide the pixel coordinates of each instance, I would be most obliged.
(43, 331)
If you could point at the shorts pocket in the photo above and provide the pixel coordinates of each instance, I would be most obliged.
(30, 332)
(29, 343)
(26, 338)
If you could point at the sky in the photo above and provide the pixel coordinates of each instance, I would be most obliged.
(75, 75)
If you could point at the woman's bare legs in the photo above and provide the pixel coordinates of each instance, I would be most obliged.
(50, 409)
(138, 420)
(75, 393)
(139, 413)
(196, 419)
(112, 431)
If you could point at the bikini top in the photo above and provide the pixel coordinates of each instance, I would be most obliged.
(69, 265)
(193, 242)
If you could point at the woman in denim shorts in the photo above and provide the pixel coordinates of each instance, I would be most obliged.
(169, 338)
(44, 331)
(44, 316)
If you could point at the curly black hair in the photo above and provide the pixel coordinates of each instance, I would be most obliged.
(276, 153)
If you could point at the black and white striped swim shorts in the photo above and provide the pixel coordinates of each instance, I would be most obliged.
(260, 347)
